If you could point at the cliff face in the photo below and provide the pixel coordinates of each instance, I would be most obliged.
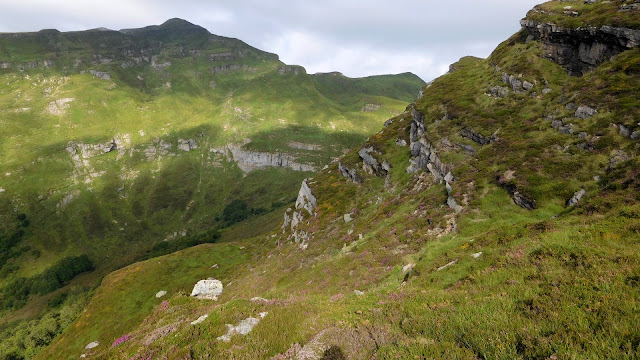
(583, 49)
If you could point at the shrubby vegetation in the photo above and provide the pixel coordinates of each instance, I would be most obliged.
(168, 247)
(11, 240)
(238, 210)
(22, 340)
(16, 292)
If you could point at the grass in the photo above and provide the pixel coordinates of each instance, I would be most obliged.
(590, 15)
(554, 282)
(550, 283)
(118, 207)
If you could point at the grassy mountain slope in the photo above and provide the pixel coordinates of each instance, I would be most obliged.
(113, 141)
(424, 267)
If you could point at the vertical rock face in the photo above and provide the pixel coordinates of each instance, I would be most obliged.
(349, 173)
(371, 164)
(423, 153)
(583, 49)
(248, 161)
(306, 200)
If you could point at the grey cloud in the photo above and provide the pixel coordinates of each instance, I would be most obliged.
(435, 31)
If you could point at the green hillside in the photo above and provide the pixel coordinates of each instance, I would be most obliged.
(123, 145)
(498, 217)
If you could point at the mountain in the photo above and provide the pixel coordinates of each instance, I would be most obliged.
(123, 145)
(496, 217)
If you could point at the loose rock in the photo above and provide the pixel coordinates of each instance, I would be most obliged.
(576, 198)
(584, 112)
(207, 289)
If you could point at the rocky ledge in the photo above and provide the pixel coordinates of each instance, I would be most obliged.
(582, 49)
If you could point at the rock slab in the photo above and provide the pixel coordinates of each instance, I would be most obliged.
(207, 289)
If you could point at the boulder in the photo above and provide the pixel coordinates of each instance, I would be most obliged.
(624, 131)
(576, 198)
(207, 289)
(499, 91)
(617, 157)
(584, 112)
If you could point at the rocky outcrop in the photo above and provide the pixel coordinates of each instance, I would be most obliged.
(477, 137)
(249, 161)
(512, 81)
(291, 69)
(584, 112)
(187, 145)
(81, 153)
(423, 153)
(100, 74)
(617, 157)
(243, 328)
(519, 198)
(349, 173)
(451, 201)
(208, 289)
(562, 127)
(576, 198)
(224, 68)
(158, 148)
(499, 91)
(583, 49)
(59, 107)
(225, 56)
(371, 107)
(371, 164)
(305, 199)
(425, 158)
(303, 146)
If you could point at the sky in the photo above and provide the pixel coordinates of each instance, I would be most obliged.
(355, 37)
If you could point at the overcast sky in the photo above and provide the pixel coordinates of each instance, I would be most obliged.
(355, 37)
